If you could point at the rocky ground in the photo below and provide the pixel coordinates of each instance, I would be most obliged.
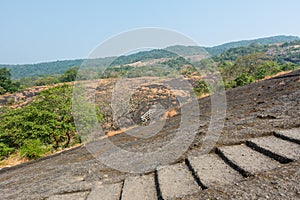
(256, 156)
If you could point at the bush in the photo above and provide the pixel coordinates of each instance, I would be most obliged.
(10, 101)
(266, 69)
(48, 118)
(32, 149)
(244, 79)
(288, 66)
(201, 88)
(5, 150)
(229, 84)
(6, 84)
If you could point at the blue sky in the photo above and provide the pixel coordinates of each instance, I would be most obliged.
(34, 31)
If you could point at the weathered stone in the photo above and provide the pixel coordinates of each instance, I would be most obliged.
(212, 170)
(71, 196)
(106, 192)
(139, 187)
(246, 160)
(292, 135)
(277, 148)
(176, 181)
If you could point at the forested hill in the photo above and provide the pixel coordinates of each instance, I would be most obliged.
(59, 67)
(216, 50)
(41, 69)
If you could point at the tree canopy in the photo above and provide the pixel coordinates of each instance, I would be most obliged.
(6, 84)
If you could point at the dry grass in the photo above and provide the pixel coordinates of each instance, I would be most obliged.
(12, 160)
(16, 159)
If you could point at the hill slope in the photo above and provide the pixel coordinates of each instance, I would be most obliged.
(268, 40)
(59, 67)
(255, 110)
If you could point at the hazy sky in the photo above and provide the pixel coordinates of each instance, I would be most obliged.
(45, 30)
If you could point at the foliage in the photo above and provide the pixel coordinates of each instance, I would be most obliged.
(42, 69)
(217, 50)
(186, 50)
(170, 68)
(10, 101)
(201, 88)
(38, 81)
(288, 66)
(176, 63)
(6, 84)
(266, 69)
(250, 67)
(5, 150)
(47, 118)
(243, 79)
(233, 53)
(33, 149)
(69, 75)
(143, 55)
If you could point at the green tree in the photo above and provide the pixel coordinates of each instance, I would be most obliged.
(6, 84)
(49, 119)
(69, 75)
(266, 69)
(244, 79)
(201, 88)
(288, 66)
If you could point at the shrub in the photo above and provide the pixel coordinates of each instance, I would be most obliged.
(229, 84)
(201, 88)
(10, 101)
(32, 149)
(288, 66)
(244, 79)
(5, 150)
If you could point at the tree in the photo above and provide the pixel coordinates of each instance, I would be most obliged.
(69, 75)
(244, 79)
(6, 84)
(266, 69)
(201, 88)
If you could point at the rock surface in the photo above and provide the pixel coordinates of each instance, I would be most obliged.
(254, 111)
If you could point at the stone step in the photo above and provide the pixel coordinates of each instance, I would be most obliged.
(245, 160)
(106, 192)
(175, 181)
(139, 187)
(70, 196)
(279, 149)
(212, 170)
(292, 135)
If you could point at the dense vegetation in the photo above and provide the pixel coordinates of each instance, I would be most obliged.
(217, 50)
(143, 55)
(46, 124)
(6, 84)
(243, 65)
(47, 120)
(41, 69)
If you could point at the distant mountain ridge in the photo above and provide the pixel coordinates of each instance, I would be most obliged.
(219, 49)
(59, 67)
(267, 40)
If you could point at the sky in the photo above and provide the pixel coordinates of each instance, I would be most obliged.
(34, 31)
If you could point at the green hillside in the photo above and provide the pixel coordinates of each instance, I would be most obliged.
(143, 55)
(216, 50)
(59, 67)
